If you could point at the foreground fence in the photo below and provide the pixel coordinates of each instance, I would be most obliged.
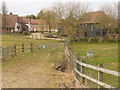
(82, 69)
(9, 52)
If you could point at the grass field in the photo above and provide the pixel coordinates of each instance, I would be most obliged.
(10, 40)
(104, 53)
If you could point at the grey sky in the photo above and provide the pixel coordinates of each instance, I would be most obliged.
(25, 7)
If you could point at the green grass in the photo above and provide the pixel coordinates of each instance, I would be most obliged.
(53, 54)
(104, 53)
(10, 40)
(15, 39)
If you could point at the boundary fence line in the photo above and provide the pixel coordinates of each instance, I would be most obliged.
(9, 52)
(78, 67)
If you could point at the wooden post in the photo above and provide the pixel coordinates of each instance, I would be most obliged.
(81, 68)
(74, 64)
(2, 54)
(22, 48)
(12, 51)
(36, 36)
(7, 52)
(100, 75)
(82, 71)
(71, 66)
(31, 47)
(15, 50)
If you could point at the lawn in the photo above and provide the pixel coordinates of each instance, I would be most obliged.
(104, 53)
(10, 40)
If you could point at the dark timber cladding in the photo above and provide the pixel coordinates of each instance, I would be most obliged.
(97, 24)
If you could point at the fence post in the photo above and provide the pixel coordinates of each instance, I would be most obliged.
(82, 71)
(31, 47)
(22, 48)
(100, 75)
(3, 57)
(7, 52)
(71, 62)
(32, 36)
(36, 36)
(15, 50)
(75, 65)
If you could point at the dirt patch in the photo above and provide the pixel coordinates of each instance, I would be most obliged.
(35, 73)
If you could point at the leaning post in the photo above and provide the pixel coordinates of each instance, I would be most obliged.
(15, 50)
(31, 47)
(22, 47)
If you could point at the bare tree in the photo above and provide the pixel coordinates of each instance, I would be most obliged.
(4, 13)
(110, 9)
(69, 14)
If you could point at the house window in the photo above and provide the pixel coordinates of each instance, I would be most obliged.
(98, 33)
(85, 34)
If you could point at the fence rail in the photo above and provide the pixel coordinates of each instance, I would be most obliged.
(9, 52)
(46, 38)
(75, 62)
(98, 68)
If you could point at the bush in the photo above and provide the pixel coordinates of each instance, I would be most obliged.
(26, 32)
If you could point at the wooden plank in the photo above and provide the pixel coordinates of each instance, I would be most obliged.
(115, 73)
(93, 80)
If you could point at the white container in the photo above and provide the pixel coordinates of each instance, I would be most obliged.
(90, 54)
(43, 46)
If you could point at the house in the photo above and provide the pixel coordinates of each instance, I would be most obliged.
(97, 24)
(0, 24)
(15, 23)
(21, 24)
(8, 22)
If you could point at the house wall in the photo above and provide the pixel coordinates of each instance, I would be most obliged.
(94, 33)
(90, 30)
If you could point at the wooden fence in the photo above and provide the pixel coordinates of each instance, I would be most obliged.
(9, 52)
(78, 67)
(46, 38)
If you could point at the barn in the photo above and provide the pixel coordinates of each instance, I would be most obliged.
(97, 24)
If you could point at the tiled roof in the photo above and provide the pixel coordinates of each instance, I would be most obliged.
(35, 21)
(91, 17)
(99, 17)
(11, 20)
(23, 20)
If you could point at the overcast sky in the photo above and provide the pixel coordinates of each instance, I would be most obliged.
(26, 7)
